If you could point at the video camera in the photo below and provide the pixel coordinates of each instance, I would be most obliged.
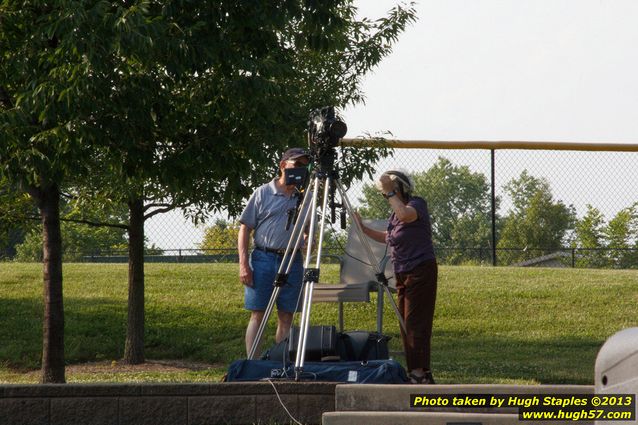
(324, 131)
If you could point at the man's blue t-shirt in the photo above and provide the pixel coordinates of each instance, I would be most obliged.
(267, 213)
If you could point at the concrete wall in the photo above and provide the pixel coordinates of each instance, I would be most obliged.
(158, 404)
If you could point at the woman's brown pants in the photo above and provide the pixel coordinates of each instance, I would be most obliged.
(417, 296)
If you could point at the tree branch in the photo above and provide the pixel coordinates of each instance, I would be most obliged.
(5, 99)
(80, 221)
(160, 211)
(96, 223)
(162, 208)
(17, 218)
(68, 196)
(156, 205)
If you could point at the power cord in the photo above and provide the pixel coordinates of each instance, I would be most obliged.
(342, 248)
(282, 403)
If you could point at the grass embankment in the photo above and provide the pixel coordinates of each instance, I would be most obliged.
(492, 325)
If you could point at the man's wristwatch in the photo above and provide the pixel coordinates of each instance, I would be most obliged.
(390, 194)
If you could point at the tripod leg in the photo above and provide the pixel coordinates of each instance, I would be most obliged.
(284, 269)
(380, 309)
(372, 259)
(311, 276)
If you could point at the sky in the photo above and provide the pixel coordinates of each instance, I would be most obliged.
(529, 70)
(558, 70)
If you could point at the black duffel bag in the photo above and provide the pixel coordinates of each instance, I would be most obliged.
(362, 346)
(321, 345)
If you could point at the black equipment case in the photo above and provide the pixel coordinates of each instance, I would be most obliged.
(362, 346)
(325, 344)
(321, 343)
(372, 372)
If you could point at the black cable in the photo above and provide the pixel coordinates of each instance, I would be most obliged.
(385, 253)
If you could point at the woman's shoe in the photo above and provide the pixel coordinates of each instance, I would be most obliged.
(425, 379)
(428, 378)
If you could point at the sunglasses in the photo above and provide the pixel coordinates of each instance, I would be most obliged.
(297, 163)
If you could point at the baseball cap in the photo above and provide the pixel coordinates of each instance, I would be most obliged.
(294, 153)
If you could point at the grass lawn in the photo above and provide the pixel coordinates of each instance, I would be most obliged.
(492, 325)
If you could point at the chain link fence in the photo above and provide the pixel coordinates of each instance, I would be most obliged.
(524, 207)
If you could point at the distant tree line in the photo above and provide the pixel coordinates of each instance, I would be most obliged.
(21, 231)
(220, 239)
(459, 201)
(536, 223)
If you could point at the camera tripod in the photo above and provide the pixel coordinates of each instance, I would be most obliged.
(325, 182)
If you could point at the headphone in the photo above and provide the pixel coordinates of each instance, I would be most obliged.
(406, 186)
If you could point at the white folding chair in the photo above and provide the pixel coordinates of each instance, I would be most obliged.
(357, 278)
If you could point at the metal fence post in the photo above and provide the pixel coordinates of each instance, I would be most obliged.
(493, 209)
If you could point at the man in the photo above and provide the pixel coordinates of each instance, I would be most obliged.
(266, 216)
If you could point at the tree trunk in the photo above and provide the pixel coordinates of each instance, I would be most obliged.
(48, 201)
(134, 347)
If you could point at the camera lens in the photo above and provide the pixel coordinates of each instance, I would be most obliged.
(338, 129)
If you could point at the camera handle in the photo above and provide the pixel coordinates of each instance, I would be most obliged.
(293, 213)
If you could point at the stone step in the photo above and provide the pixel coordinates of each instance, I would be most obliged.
(371, 397)
(430, 418)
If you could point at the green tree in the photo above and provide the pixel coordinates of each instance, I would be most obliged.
(247, 78)
(81, 235)
(612, 244)
(460, 203)
(537, 224)
(220, 237)
(373, 205)
(179, 104)
(622, 236)
(15, 209)
(79, 241)
(589, 235)
(44, 54)
(75, 79)
(11, 236)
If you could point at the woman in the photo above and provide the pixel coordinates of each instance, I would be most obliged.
(409, 234)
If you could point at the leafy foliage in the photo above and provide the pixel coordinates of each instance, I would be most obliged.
(164, 104)
(460, 204)
(15, 208)
(611, 244)
(202, 119)
(179, 103)
(589, 235)
(536, 220)
(622, 237)
(220, 236)
(80, 239)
